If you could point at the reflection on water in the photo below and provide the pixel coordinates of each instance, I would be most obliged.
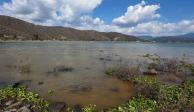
(74, 71)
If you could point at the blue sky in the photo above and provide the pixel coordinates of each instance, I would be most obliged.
(171, 10)
(137, 17)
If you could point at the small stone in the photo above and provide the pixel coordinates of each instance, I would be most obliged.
(151, 72)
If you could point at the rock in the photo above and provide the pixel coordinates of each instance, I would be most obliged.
(57, 107)
(24, 83)
(151, 72)
(77, 108)
(101, 51)
(101, 59)
(13, 105)
(9, 102)
(40, 83)
(24, 109)
(62, 69)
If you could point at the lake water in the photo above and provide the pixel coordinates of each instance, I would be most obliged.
(87, 82)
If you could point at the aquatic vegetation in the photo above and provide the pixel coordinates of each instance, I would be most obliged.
(89, 108)
(61, 69)
(21, 95)
(185, 65)
(163, 64)
(145, 80)
(137, 104)
(122, 72)
(169, 97)
(189, 88)
(50, 92)
(25, 69)
(154, 57)
(111, 71)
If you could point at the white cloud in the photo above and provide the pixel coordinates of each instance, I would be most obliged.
(155, 28)
(50, 12)
(137, 14)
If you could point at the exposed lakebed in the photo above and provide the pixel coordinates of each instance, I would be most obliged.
(74, 72)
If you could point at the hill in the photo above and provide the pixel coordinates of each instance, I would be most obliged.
(16, 29)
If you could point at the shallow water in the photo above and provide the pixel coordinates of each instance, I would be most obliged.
(86, 83)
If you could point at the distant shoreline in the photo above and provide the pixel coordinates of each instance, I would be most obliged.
(39, 41)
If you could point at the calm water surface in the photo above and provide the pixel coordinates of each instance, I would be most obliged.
(87, 83)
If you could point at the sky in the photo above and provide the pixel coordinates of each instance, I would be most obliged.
(132, 17)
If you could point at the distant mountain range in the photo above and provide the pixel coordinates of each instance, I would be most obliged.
(15, 29)
(146, 37)
(188, 38)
